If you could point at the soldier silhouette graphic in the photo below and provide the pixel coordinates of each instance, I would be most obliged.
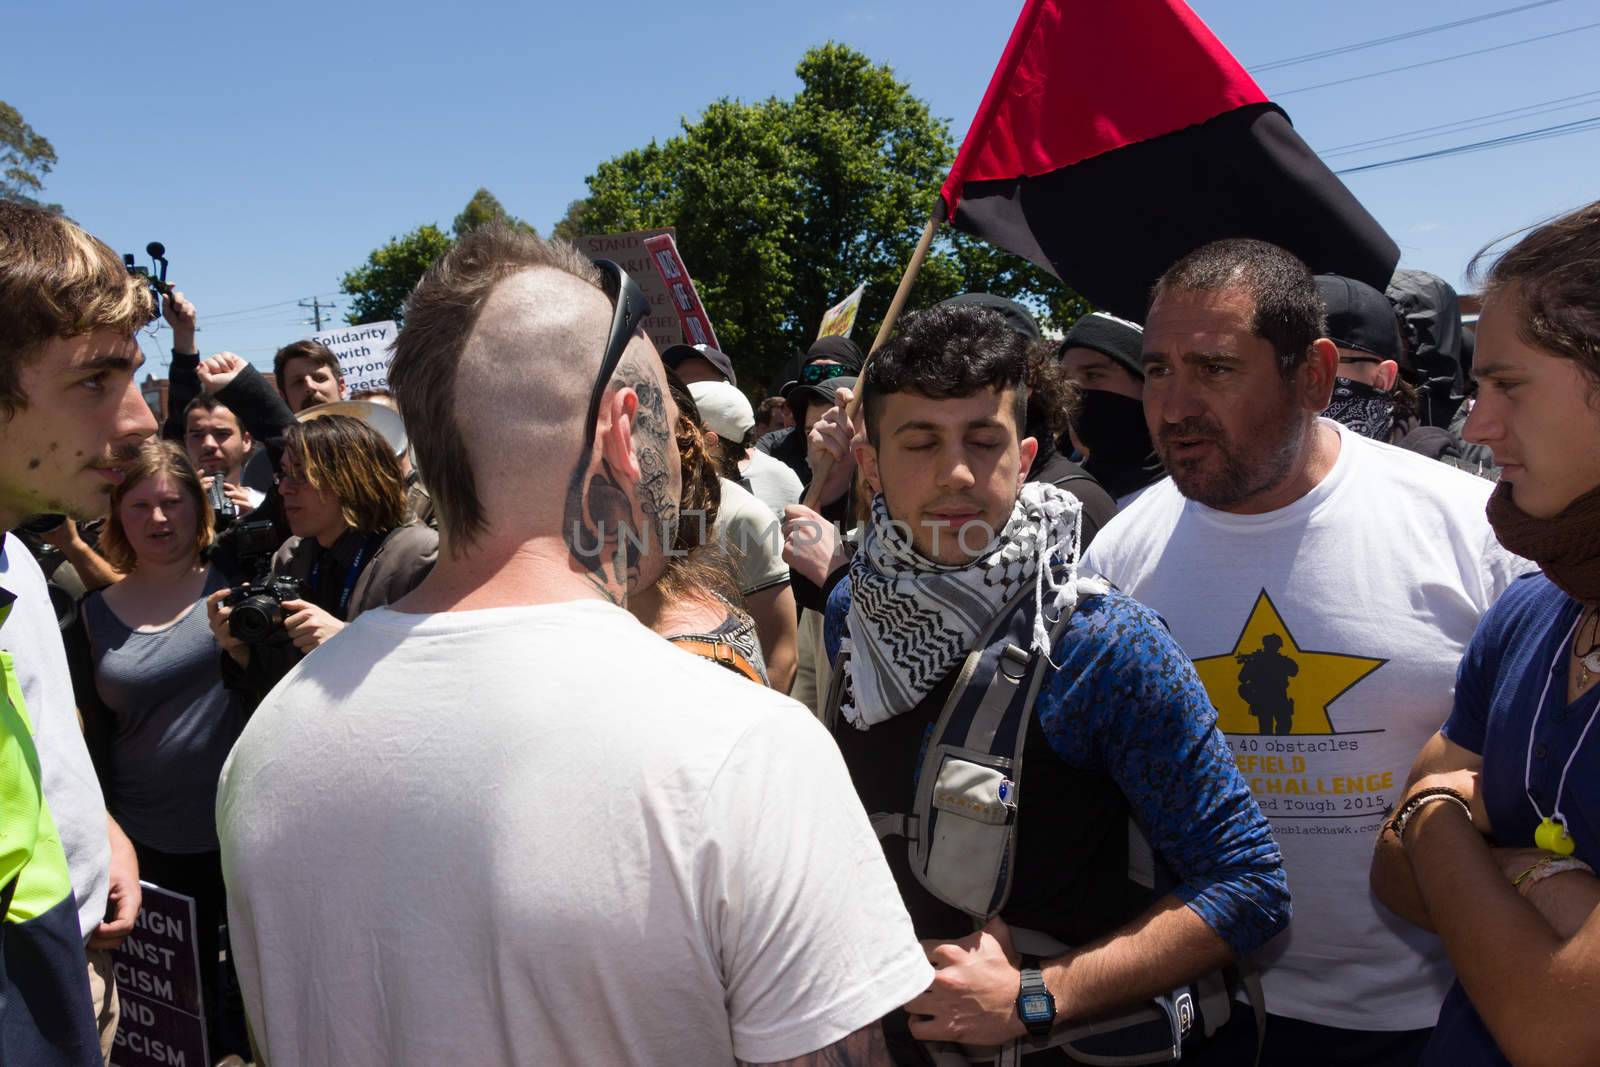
(1264, 684)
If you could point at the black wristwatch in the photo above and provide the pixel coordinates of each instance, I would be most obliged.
(1035, 1005)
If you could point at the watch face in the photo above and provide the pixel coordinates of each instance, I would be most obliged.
(1035, 1007)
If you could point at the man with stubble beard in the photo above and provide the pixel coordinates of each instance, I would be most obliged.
(1282, 536)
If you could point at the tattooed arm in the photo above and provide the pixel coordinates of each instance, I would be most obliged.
(864, 1048)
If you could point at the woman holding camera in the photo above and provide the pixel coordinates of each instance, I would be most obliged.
(156, 715)
(355, 546)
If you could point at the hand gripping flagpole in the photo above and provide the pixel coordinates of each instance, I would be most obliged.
(824, 464)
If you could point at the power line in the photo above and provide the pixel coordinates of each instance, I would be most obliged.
(1423, 133)
(1278, 64)
(1544, 133)
(1434, 62)
(263, 307)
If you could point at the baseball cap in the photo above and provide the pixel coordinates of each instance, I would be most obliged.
(725, 411)
(1359, 316)
(676, 354)
(822, 391)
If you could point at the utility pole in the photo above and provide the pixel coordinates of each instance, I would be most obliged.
(316, 307)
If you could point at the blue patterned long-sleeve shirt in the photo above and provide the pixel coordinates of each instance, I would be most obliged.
(1125, 700)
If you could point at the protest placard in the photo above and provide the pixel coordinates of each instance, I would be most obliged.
(157, 970)
(364, 352)
(685, 300)
(627, 249)
(840, 319)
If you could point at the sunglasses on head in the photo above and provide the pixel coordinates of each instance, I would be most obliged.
(630, 310)
(816, 373)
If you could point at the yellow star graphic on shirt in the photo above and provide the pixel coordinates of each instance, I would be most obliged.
(1268, 684)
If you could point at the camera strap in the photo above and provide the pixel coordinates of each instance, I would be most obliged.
(351, 574)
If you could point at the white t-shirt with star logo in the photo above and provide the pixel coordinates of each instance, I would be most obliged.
(1327, 634)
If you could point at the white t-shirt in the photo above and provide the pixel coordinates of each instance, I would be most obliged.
(772, 481)
(545, 835)
(1371, 585)
(33, 637)
(752, 536)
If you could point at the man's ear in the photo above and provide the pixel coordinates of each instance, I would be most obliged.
(249, 442)
(1317, 375)
(615, 434)
(1027, 452)
(1388, 371)
(867, 460)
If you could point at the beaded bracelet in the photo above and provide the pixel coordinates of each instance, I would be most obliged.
(1397, 825)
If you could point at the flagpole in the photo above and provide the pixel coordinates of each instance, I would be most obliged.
(819, 473)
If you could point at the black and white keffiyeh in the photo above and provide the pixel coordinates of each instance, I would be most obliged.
(911, 621)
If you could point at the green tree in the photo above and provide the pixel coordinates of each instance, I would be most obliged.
(379, 287)
(785, 205)
(482, 209)
(25, 158)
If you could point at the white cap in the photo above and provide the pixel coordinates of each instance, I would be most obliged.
(724, 409)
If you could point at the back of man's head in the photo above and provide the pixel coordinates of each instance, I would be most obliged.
(944, 352)
(57, 281)
(1288, 310)
(502, 341)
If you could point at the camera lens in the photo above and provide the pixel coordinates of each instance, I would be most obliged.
(253, 619)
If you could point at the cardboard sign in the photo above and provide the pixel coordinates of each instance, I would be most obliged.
(840, 319)
(364, 352)
(158, 982)
(661, 325)
(685, 301)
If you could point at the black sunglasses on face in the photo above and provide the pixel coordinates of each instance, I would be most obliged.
(631, 308)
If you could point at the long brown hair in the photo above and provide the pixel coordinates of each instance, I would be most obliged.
(155, 459)
(346, 457)
(696, 564)
(1555, 271)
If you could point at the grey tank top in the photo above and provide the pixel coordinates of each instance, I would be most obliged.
(175, 724)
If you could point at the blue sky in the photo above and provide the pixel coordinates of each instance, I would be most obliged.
(271, 147)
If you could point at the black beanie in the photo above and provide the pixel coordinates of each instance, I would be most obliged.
(1117, 339)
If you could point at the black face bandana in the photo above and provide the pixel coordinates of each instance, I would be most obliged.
(1112, 428)
(1367, 410)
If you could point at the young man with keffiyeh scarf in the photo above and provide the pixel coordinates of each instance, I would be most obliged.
(1121, 726)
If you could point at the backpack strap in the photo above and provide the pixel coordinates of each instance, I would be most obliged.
(963, 821)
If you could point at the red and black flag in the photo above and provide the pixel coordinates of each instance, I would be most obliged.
(1119, 135)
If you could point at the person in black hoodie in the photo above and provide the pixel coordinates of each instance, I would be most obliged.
(1103, 355)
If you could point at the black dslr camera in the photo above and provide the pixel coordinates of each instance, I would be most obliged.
(258, 605)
